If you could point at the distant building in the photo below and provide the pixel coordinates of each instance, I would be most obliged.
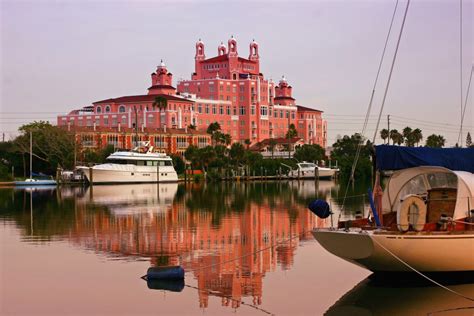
(227, 89)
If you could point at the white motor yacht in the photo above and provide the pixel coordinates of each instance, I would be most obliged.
(141, 165)
(309, 170)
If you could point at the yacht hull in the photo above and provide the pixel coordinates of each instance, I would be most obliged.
(441, 252)
(323, 173)
(128, 174)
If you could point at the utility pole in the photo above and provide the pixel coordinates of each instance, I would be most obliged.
(388, 126)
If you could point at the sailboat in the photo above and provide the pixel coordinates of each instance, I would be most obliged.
(422, 222)
(426, 221)
(30, 181)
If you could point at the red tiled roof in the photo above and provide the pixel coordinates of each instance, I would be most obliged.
(303, 108)
(162, 86)
(142, 98)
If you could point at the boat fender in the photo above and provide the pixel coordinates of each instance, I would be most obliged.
(165, 273)
(320, 208)
(407, 218)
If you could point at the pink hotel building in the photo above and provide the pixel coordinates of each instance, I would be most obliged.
(227, 89)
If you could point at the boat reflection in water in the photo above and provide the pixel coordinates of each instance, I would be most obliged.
(392, 297)
(122, 200)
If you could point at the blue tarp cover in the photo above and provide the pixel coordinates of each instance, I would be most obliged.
(398, 157)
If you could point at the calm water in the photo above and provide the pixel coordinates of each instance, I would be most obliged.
(82, 251)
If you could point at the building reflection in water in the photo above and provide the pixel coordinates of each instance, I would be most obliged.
(192, 225)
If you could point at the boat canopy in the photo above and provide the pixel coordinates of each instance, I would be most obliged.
(398, 157)
(419, 180)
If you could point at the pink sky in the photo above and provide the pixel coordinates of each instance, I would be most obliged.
(61, 55)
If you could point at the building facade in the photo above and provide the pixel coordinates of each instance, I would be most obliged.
(227, 89)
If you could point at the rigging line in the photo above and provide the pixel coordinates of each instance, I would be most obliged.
(420, 273)
(391, 70)
(460, 66)
(369, 108)
(465, 104)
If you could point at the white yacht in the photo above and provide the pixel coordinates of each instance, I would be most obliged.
(307, 170)
(141, 165)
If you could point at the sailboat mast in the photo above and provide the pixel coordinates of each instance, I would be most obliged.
(31, 156)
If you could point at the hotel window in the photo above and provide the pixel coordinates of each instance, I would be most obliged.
(124, 120)
(242, 88)
(214, 109)
(107, 109)
(98, 109)
(97, 121)
(121, 109)
(89, 122)
(150, 119)
(211, 88)
(106, 121)
(228, 110)
(252, 110)
(114, 121)
(79, 123)
(281, 113)
(287, 114)
(221, 88)
(199, 108)
(228, 89)
(235, 110)
(234, 89)
(242, 110)
(207, 108)
(293, 115)
(264, 111)
(221, 97)
(242, 123)
(221, 110)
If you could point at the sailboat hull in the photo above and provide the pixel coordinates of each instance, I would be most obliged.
(441, 252)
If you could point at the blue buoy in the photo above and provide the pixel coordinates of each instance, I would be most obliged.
(165, 273)
(166, 285)
(320, 208)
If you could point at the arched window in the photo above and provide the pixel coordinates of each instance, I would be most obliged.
(98, 109)
(122, 109)
(107, 109)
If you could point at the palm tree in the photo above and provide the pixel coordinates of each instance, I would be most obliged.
(272, 143)
(417, 135)
(227, 139)
(392, 133)
(160, 102)
(291, 132)
(408, 136)
(213, 129)
(435, 141)
(247, 142)
(384, 134)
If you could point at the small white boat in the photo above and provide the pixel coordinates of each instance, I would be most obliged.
(140, 165)
(36, 182)
(31, 181)
(427, 225)
(309, 170)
